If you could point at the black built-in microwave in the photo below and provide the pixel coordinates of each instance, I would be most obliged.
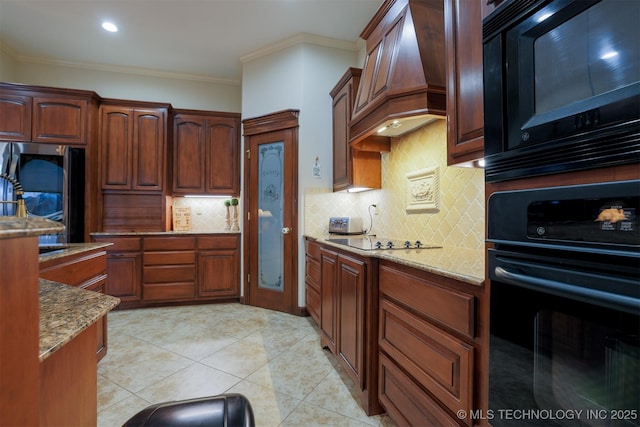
(561, 86)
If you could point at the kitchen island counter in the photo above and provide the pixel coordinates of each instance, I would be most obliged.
(66, 311)
(466, 265)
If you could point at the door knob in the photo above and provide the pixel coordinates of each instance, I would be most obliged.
(285, 230)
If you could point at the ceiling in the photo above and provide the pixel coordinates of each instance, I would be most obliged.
(197, 38)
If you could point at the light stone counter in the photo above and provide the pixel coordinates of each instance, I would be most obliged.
(13, 227)
(466, 265)
(66, 311)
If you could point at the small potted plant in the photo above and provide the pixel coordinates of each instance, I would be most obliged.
(234, 219)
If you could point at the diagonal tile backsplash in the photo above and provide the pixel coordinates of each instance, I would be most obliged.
(460, 220)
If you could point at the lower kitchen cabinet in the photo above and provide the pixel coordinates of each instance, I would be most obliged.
(152, 270)
(219, 267)
(349, 315)
(312, 279)
(429, 341)
(124, 269)
(86, 270)
(169, 272)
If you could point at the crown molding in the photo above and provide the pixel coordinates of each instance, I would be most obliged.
(300, 38)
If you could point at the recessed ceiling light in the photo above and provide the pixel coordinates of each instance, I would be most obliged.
(110, 26)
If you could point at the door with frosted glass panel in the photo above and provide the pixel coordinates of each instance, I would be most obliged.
(271, 217)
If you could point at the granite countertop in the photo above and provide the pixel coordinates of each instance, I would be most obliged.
(466, 265)
(61, 250)
(12, 227)
(66, 311)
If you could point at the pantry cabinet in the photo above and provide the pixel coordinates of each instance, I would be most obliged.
(46, 115)
(206, 157)
(430, 342)
(133, 137)
(465, 102)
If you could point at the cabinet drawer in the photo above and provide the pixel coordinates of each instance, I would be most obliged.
(312, 249)
(312, 273)
(121, 244)
(76, 271)
(218, 242)
(407, 403)
(169, 273)
(312, 298)
(169, 258)
(449, 307)
(437, 361)
(169, 243)
(168, 291)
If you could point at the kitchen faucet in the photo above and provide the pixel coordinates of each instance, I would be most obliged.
(21, 211)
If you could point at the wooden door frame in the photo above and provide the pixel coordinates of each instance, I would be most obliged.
(273, 122)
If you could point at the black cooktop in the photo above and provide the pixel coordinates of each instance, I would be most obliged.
(374, 243)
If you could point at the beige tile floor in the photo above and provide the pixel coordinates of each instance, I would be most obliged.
(274, 359)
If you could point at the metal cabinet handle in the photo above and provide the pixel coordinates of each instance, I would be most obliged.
(286, 230)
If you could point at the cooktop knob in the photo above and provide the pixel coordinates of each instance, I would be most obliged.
(418, 243)
(407, 244)
(390, 244)
(378, 244)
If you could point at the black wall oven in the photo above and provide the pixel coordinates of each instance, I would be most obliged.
(565, 306)
(561, 86)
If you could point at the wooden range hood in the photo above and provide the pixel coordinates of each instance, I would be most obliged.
(403, 81)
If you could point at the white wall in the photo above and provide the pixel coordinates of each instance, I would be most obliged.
(299, 77)
(178, 90)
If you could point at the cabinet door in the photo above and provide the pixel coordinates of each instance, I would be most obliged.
(149, 149)
(222, 156)
(188, 154)
(59, 120)
(328, 265)
(124, 275)
(465, 103)
(342, 173)
(15, 117)
(101, 349)
(219, 273)
(116, 138)
(352, 276)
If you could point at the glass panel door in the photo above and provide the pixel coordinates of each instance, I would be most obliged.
(270, 216)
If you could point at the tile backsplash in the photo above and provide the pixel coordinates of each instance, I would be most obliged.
(459, 221)
(208, 214)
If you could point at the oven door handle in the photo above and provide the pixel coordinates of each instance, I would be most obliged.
(588, 295)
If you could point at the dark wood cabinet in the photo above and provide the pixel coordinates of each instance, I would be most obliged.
(465, 103)
(169, 272)
(46, 115)
(124, 268)
(351, 167)
(348, 315)
(15, 116)
(134, 145)
(86, 270)
(219, 267)
(206, 158)
(164, 269)
(430, 341)
(312, 279)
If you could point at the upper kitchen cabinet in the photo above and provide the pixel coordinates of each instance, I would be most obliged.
(46, 115)
(206, 154)
(465, 105)
(133, 137)
(402, 86)
(351, 168)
